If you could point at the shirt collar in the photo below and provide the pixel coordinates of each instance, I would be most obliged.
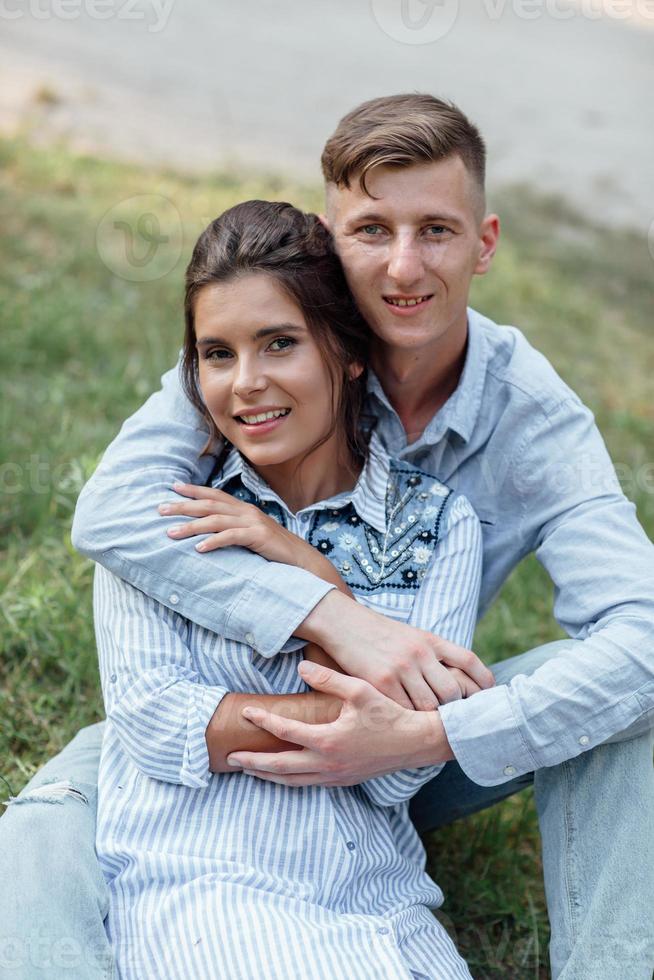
(461, 410)
(368, 496)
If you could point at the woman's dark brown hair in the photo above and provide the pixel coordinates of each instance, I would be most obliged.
(295, 250)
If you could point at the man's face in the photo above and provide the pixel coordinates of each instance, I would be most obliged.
(411, 249)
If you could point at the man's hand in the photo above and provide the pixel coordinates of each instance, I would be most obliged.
(411, 666)
(371, 736)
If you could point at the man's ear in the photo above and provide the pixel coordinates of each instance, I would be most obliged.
(355, 370)
(489, 234)
(324, 220)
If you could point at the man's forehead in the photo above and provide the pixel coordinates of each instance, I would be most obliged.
(415, 192)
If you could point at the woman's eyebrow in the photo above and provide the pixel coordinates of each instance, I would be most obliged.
(277, 327)
(258, 335)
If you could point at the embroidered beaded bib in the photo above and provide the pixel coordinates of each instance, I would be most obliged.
(370, 561)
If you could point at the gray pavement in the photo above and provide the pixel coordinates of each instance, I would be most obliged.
(559, 89)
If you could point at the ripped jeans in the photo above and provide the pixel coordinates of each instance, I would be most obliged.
(596, 816)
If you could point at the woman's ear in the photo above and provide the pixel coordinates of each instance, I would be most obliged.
(355, 370)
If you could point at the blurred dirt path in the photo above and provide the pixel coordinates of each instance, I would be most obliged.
(558, 87)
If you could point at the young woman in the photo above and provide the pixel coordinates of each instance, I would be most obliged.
(213, 872)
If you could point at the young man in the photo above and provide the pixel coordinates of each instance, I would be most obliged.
(473, 403)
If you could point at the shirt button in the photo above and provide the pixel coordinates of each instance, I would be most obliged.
(509, 770)
(584, 740)
(249, 639)
(383, 931)
(350, 845)
(173, 599)
(113, 678)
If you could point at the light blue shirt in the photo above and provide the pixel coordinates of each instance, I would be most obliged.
(525, 451)
(225, 875)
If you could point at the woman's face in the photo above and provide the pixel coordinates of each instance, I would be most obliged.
(262, 375)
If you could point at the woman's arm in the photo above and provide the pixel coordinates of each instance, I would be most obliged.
(173, 725)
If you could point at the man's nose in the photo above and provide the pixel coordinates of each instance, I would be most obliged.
(248, 377)
(405, 265)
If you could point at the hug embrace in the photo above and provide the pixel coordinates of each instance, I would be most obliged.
(295, 538)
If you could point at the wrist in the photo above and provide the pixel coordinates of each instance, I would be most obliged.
(432, 744)
(318, 626)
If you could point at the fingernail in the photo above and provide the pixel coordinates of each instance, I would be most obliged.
(232, 762)
(307, 667)
(201, 547)
(175, 530)
(248, 713)
(177, 486)
(164, 508)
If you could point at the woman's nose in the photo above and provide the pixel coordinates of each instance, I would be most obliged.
(248, 377)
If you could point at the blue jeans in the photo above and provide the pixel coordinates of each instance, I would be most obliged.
(596, 815)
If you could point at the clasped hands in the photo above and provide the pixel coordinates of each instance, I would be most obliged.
(399, 674)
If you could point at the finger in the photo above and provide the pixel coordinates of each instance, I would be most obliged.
(467, 685)
(193, 490)
(280, 763)
(442, 682)
(207, 525)
(342, 686)
(233, 537)
(465, 660)
(286, 729)
(419, 693)
(197, 508)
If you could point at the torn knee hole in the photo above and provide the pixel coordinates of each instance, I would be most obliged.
(54, 791)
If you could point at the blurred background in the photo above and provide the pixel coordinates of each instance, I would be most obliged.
(126, 125)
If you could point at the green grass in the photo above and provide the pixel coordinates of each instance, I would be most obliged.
(81, 349)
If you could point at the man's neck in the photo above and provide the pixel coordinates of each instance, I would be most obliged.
(418, 384)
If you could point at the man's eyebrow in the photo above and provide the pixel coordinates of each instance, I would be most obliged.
(374, 217)
(258, 335)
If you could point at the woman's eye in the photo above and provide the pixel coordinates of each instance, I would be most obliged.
(282, 343)
(217, 354)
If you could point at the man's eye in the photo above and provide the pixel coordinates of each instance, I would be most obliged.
(437, 230)
(371, 229)
(282, 343)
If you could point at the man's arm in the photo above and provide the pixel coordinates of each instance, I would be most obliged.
(233, 592)
(602, 567)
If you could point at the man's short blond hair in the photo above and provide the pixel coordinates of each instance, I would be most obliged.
(400, 130)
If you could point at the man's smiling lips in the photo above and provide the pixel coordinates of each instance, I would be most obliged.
(407, 305)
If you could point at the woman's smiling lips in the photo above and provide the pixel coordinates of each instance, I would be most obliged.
(261, 419)
(407, 305)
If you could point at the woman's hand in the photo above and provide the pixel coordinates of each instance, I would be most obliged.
(229, 522)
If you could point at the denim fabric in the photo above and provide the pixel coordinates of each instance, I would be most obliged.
(596, 818)
(53, 897)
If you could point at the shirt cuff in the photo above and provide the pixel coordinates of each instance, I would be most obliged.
(485, 737)
(269, 634)
(203, 701)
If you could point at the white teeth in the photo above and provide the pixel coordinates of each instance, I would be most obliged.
(407, 302)
(264, 416)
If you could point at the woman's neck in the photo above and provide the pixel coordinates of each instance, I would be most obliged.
(327, 471)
